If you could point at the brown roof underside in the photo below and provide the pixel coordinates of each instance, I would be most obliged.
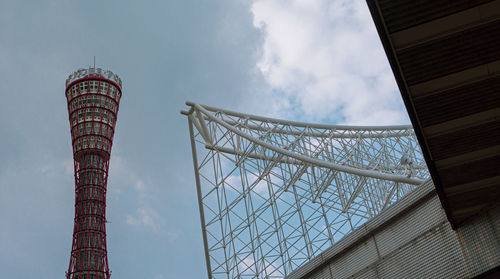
(445, 56)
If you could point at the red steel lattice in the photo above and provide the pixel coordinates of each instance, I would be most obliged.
(93, 102)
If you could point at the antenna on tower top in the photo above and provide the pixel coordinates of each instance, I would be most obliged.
(94, 61)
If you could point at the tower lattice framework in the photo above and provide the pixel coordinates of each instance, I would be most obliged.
(93, 98)
(274, 194)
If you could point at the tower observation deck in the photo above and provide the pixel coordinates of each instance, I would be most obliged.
(93, 97)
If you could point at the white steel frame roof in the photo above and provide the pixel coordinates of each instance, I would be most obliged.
(273, 194)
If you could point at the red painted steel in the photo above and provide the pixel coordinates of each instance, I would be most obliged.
(93, 103)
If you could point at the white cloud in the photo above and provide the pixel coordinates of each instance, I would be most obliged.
(145, 215)
(325, 58)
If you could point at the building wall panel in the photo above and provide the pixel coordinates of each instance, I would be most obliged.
(359, 257)
(415, 222)
(434, 254)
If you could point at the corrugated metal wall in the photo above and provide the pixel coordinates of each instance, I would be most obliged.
(412, 239)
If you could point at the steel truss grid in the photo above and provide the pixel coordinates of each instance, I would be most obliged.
(273, 194)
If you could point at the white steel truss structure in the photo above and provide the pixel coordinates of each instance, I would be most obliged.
(273, 194)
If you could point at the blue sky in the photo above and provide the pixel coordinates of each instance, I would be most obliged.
(309, 60)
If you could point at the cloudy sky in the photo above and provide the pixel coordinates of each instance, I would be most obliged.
(305, 60)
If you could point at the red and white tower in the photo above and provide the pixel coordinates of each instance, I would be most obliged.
(93, 97)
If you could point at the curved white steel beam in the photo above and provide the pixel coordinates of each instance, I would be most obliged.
(342, 131)
(295, 123)
(310, 160)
